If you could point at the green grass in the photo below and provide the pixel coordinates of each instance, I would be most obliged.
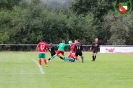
(17, 70)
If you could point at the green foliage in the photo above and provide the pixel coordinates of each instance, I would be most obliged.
(98, 7)
(8, 4)
(29, 24)
(5, 23)
(120, 28)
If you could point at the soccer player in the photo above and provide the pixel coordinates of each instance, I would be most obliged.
(78, 50)
(95, 47)
(71, 57)
(42, 47)
(60, 50)
(52, 51)
(72, 48)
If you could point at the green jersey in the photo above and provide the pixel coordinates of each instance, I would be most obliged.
(62, 46)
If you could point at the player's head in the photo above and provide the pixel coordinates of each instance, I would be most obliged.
(50, 44)
(63, 41)
(96, 39)
(77, 40)
(43, 39)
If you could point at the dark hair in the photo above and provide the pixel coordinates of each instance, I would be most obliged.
(63, 41)
(78, 40)
(43, 39)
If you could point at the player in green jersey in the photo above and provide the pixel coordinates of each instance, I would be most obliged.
(60, 50)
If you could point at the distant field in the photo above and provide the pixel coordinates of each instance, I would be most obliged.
(18, 70)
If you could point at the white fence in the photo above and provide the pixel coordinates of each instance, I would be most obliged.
(116, 49)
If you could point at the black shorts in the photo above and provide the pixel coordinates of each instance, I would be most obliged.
(95, 51)
(78, 54)
(52, 53)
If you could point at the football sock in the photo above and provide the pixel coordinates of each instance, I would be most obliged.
(64, 58)
(82, 59)
(71, 60)
(45, 61)
(53, 56)
(93, 58)
(49, 59)
(61, 57)
(40, 62)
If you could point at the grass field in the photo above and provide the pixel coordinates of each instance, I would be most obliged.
(18, 70)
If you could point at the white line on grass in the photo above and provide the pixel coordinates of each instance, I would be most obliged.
(39, 66)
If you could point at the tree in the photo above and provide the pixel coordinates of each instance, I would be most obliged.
(8, 4)
(119, 28)
(97, 7)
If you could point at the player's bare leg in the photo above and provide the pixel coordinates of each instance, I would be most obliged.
(77, 58)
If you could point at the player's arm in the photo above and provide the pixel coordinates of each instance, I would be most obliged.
(54, 49)
(81, 47)
(46, 47)
(100, 45)
(67, 44)
(91, 47)
(37, 47)
(75, 47)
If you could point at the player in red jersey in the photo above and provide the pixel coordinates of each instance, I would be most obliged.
(72, 49)
(71, 57)
(42, 47)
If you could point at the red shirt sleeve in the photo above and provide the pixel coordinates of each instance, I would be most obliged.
(38, 45)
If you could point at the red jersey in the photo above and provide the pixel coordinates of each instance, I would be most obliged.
(72, 50)
(42, 47)
(72, 56)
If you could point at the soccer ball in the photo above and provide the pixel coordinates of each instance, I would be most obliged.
(70, 42)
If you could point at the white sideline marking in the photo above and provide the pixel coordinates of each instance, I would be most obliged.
(39, 66)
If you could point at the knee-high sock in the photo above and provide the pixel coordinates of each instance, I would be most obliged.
(53, 56)
(61, 57)
(64, 58)
(40, 62)
(45, 61)
(49, 59)
(82, 59)
(93, 58)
